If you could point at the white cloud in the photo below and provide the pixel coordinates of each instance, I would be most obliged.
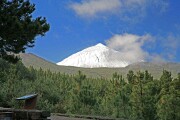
(89, 8)
(130, 45)
(170, 45)
(135, 48)
(172, 42)
(126, 9)
(162, 5)
(157, 58)
(134, 4)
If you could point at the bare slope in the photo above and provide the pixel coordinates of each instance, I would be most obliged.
(154, 68)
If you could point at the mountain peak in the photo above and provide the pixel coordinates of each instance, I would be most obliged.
(95, 56)
(100, 45)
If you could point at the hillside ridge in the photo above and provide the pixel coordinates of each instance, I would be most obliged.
(155, 69)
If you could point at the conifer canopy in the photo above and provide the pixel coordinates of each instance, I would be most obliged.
(18, 29)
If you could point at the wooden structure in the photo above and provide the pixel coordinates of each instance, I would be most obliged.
(21, 114)
(28, 113)
(30, 101)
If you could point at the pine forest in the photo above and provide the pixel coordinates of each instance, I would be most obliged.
(138, 96)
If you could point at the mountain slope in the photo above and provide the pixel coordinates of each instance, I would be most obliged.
(154, 68)
(94, 57)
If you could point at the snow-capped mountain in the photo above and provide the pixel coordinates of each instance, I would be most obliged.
(96, 56)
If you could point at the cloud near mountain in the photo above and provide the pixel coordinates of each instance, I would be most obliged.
(120, 51)
(136, 47)
(130, 45)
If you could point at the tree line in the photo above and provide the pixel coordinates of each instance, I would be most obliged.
(137, 96)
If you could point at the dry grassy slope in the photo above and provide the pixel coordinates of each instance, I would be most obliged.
(154, 68)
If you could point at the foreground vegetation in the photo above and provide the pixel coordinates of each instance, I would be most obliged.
(138, 96)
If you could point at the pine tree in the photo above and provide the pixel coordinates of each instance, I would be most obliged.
(168, 105)
(18, 28)
(142, 97)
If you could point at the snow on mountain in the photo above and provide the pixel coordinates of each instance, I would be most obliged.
(96, 56)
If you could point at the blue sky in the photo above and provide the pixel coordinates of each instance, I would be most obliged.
(148, 29)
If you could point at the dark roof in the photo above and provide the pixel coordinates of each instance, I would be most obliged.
(26, 97)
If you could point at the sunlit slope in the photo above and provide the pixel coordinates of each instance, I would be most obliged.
(154, 68)
(95, 57)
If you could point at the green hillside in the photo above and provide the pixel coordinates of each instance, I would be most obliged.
(154, 68)
(141, 97)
